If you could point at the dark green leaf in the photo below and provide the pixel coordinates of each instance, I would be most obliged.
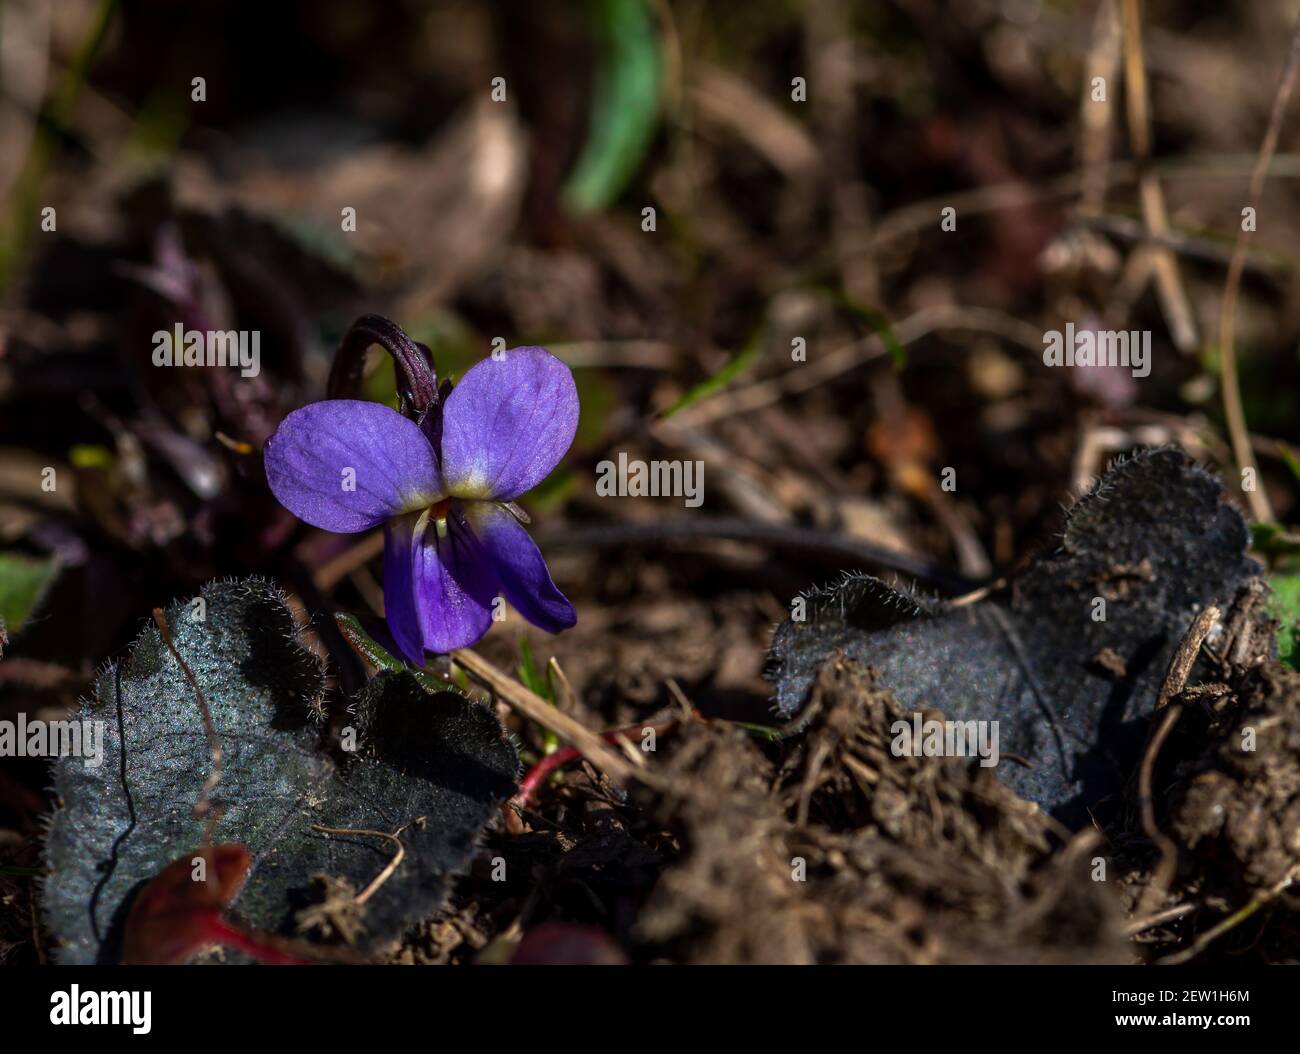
(1153, 540)
(432, 769)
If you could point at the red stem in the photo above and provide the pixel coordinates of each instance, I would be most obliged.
(536, 775)
(262, 947)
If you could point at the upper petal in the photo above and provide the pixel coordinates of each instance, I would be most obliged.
(507, 424)
(345, 465)
(519, 565)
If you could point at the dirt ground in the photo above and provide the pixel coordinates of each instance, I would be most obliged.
(859, 372)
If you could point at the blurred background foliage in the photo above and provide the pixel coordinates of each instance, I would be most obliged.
(779, 216)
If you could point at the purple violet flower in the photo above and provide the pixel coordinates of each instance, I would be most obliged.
(443, 489)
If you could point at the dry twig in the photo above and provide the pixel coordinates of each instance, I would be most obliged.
(1173, 297)
(203, 803)
(389, 868)
(535, 708)
(1179, 668)
(1232, 408)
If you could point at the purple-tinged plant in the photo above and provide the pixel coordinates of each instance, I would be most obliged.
(442, 476)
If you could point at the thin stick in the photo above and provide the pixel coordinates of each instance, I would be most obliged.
(976, 595)
(330, 573)
(389, 868)
(1016, 194)
(536, 775)
(1189, 245)
(564, 690)
(731, 401)
(36, 926)
(203, 803)
(791, 538)
(1168, 915)
(1179, 669)
(1095, 118)
(1236, 918)
(1173, 297)
(1232, 408)
(534, 707)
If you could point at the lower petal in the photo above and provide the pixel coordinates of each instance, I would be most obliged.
(520, 567)
(456, 587)
(403, 538)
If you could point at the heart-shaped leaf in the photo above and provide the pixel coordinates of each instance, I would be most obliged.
(1069, 659)
(427, 773)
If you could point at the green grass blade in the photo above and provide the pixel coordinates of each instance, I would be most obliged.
(625, 110)
(23, 584)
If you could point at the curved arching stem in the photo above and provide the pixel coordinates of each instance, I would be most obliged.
(417, 379)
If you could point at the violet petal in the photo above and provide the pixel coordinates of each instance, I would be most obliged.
(393, 465)
(507, 424)
(403, 538)
(519, 565)
(456, 587)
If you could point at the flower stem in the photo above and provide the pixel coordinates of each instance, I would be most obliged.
(417, 381)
